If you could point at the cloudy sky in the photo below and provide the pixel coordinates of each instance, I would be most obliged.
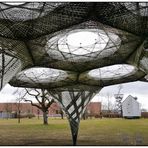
(136, 89)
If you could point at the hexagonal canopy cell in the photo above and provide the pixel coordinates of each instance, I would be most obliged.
(146, 78)
(39, 77)
(138, 8)
(13, 58)
(44, 74)
(143, 63)
(112, 72)
(109, 75)
(9, 66)
(14, 3)
(83, 42)
(71, 50)
(19, 11)
(24, 11)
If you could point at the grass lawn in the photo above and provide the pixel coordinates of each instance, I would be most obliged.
(91, 132)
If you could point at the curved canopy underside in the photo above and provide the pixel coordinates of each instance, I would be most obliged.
(49, 78)
(75, 39)
(30, 20)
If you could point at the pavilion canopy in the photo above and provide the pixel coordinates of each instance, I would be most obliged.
(73, 49)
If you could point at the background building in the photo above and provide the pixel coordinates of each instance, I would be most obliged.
(94, 109)
(131, 108)
(7, 110)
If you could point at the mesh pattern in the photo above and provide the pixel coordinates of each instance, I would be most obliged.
(53, 78)
(26, 11)
(115, 13)
(43, 78)
(14, 57)
(9, 66)
(50, 50)
(74, 103)
(32, 20)
(36, 34)
(111, 75)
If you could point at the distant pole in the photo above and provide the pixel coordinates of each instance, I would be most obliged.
(119, 98)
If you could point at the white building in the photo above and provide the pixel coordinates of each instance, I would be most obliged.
(131, 108)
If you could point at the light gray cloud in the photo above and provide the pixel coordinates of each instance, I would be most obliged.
(137, 89)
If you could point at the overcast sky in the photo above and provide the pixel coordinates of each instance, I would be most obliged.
(136, 89)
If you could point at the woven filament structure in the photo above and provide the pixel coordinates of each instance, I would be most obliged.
(73, 49)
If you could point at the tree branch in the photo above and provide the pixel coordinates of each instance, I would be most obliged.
(49, 103)
(38, 100)
(30, 93)
(37, 92)
(33, 104)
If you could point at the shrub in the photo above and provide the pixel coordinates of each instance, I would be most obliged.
(111, 115)
(144, 114)
(26, 115)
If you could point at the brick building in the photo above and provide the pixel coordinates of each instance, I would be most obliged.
(94, 108)
(27, 108)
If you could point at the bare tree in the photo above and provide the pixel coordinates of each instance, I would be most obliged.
(20, 97)
(107, 104)
(18, 105)
(41, 95)
(110, 106)
(43, 99)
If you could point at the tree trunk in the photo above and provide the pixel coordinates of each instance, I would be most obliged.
(45, 117)
(38, 113)
(19, 118)
(62, 114)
